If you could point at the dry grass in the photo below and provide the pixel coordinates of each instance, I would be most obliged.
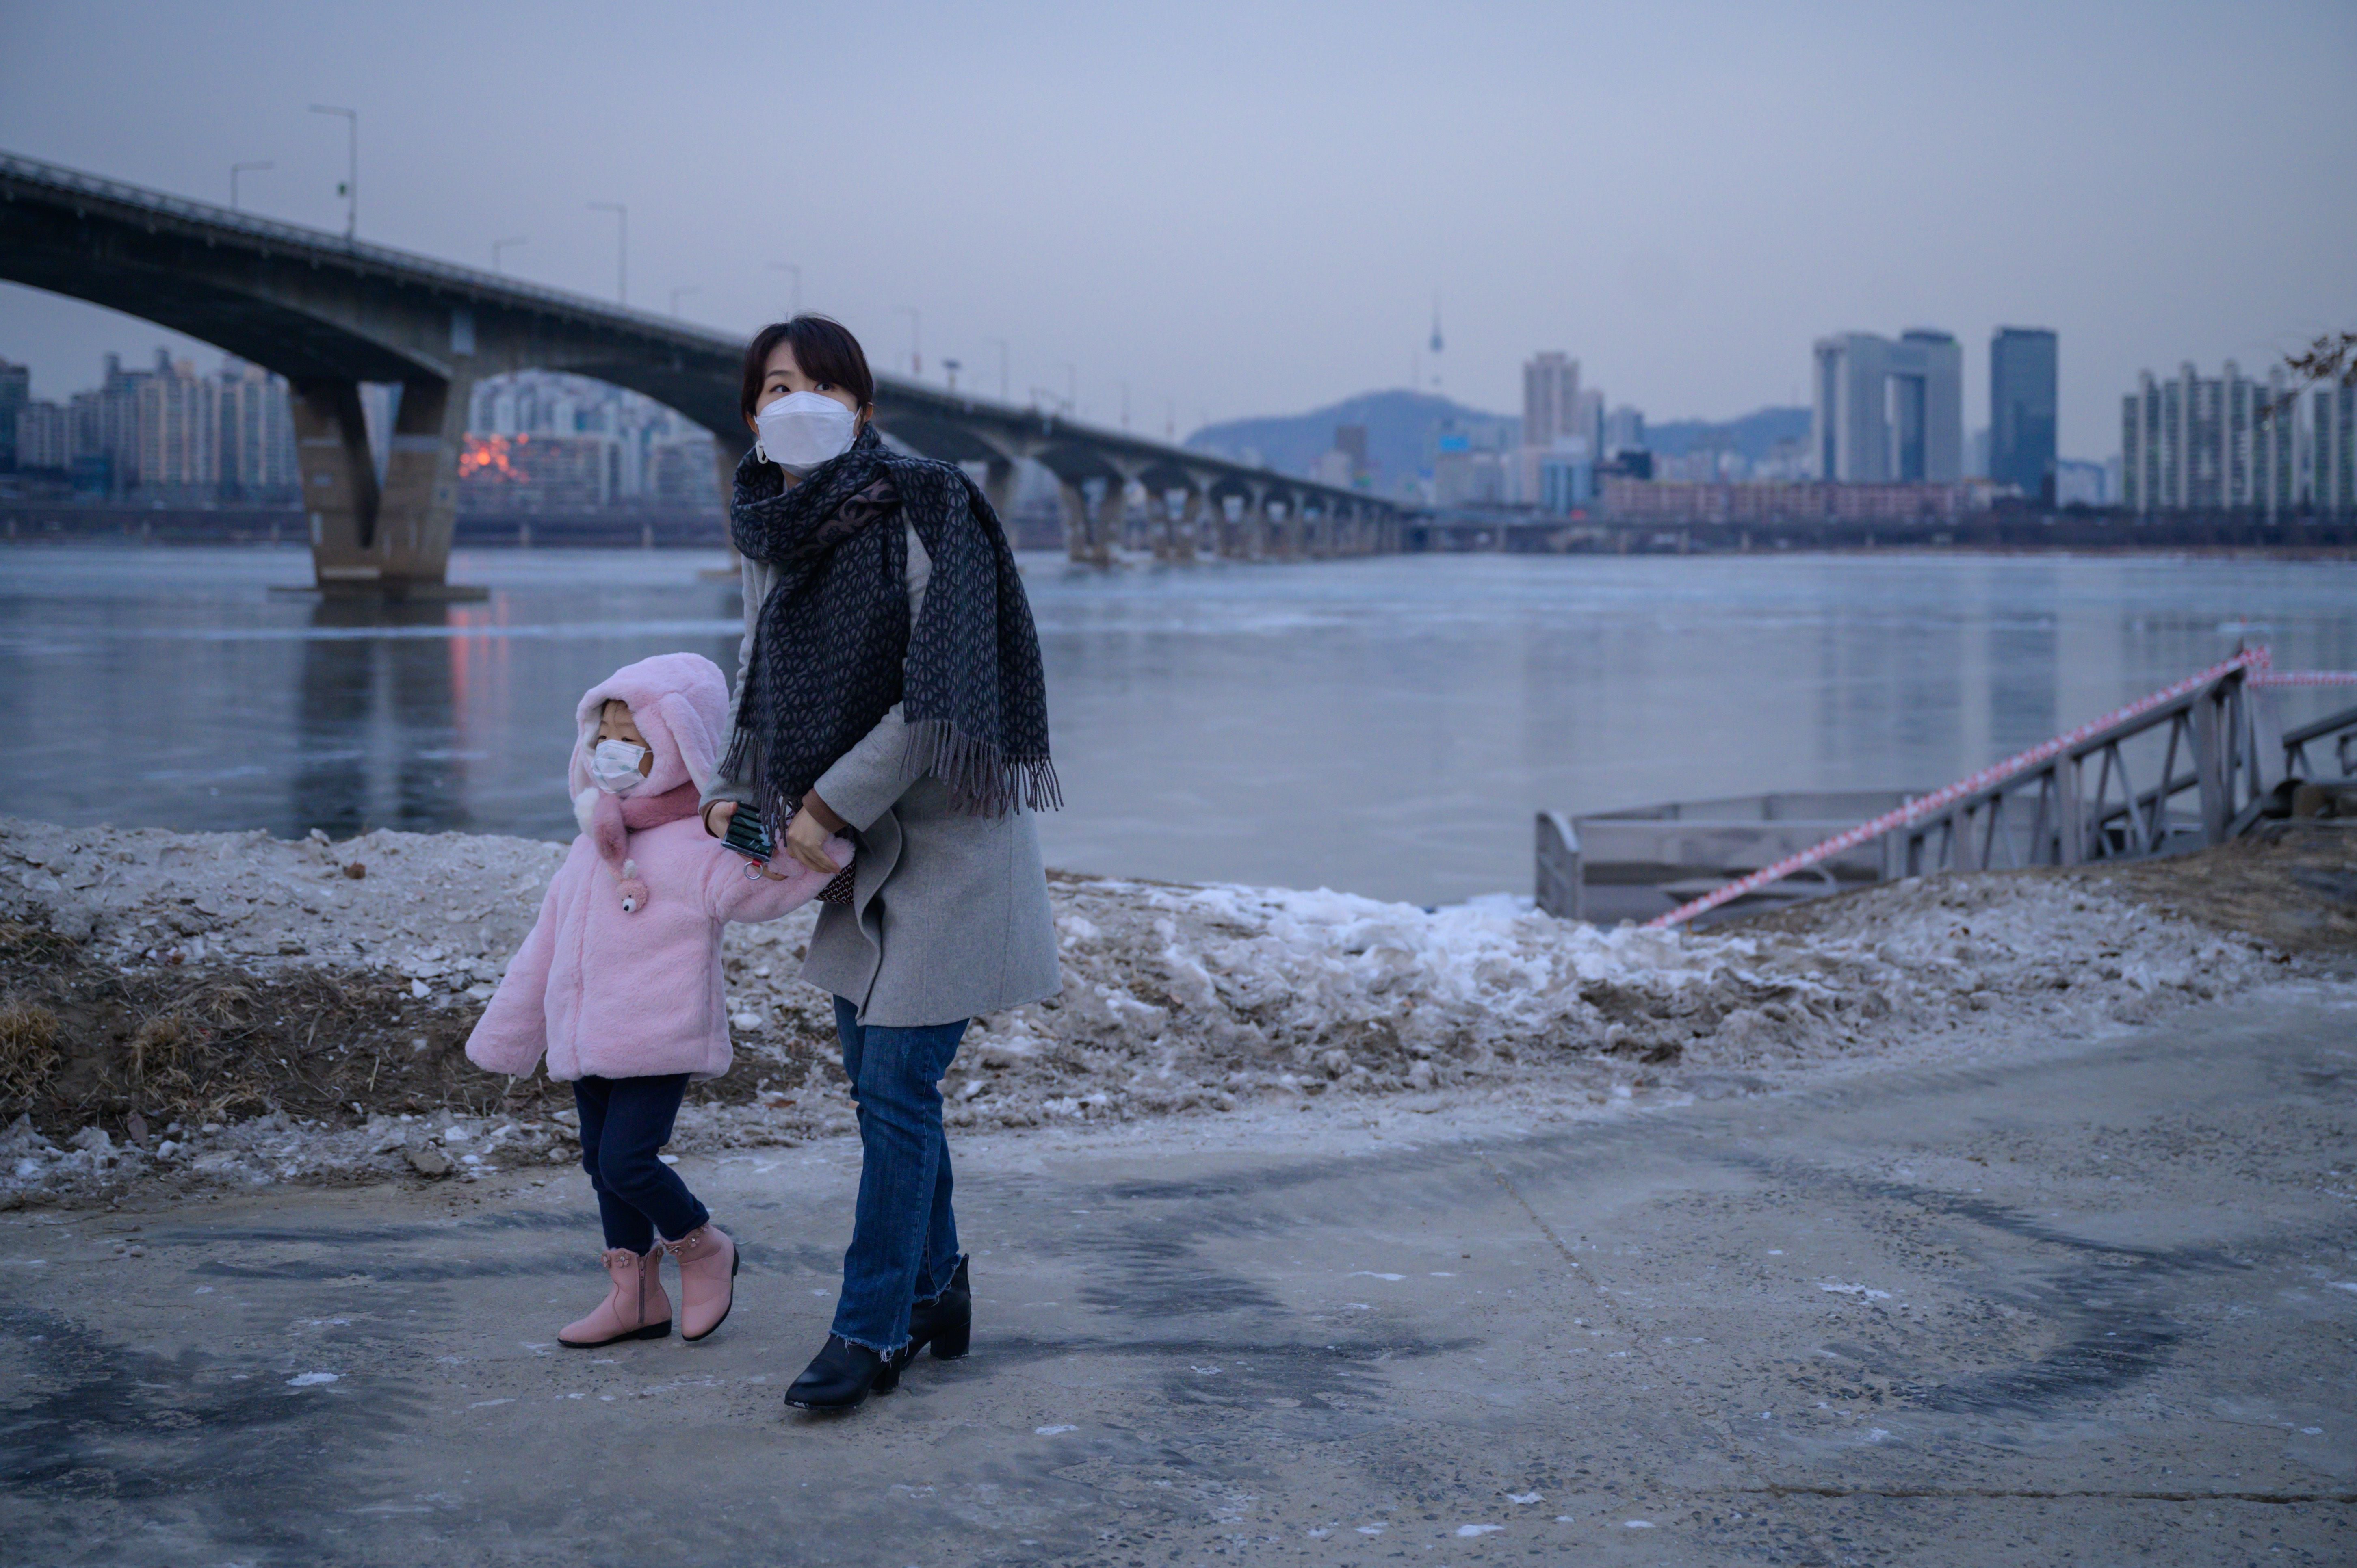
(82, 1042)
(28, 1048)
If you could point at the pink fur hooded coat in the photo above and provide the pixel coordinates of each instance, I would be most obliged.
(621, 976)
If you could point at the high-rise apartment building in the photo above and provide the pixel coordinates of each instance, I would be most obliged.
(170, 433)
(1624, 431)
(2197, 442)
(1551, 399)
(44, 437)
(2022, 379)
(2333, 477)
(106, 426)
(1889, 411)
(15, 391)
(256, 456)
(179, 431)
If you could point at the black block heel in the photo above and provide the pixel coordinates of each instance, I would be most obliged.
(945, 1323)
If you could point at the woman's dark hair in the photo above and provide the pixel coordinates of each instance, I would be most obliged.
(824, 348)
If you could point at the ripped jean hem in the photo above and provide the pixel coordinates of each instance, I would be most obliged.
(873, 1350)
(934, 1299)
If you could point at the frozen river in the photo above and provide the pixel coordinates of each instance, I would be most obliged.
(1386, 726)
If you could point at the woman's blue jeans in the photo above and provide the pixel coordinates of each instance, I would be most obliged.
(904, 1244)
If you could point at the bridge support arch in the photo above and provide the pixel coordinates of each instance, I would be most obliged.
(394, 535)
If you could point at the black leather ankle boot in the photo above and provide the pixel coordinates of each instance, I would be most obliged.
(842, 1375)
(946, 1322)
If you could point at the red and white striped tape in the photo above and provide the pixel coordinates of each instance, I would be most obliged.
(2305, 678)
(2259, 661)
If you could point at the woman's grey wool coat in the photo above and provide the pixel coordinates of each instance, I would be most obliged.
(949, 915)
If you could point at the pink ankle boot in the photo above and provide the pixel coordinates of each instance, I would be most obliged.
(635, 1309)
(707, 1279)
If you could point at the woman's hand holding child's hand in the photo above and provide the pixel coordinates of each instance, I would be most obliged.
(806, 839)
(715, 822)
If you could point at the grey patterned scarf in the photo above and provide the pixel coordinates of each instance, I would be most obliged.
(832, 649)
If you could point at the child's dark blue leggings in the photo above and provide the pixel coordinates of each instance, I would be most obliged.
(623, 1122)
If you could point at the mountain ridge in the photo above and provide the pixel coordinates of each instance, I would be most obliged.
(1402, 422)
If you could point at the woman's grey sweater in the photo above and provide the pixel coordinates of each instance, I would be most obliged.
(949, 915)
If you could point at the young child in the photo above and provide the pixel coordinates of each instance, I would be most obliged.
(620, 983)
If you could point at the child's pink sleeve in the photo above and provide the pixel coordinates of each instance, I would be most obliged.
(513, 1030)
(732, 895)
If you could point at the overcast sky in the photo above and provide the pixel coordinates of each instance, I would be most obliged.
(1248, 208)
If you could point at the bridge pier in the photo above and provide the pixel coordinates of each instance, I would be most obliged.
(1112, 521)
(1187, 529)
(1158, 527)
(1258, 525)
(392, 537)
(998, 486)
(1089, 530)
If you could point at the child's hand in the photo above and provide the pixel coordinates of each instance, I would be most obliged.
(806, 839)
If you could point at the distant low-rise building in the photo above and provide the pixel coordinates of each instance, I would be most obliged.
(2078, 483)
(1675, 502)
(1566, 480)
(650, 454)
(1334, 467)
(515, 474)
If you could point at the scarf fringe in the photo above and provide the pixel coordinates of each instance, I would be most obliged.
(748, 761)
(982, 778)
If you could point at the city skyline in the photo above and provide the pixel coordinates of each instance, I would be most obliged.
(1167, 203)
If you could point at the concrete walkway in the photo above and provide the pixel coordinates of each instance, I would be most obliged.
(2095, 1310)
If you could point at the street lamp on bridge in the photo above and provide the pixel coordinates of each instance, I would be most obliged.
(351, 190)
(621, 247)
(916, 347)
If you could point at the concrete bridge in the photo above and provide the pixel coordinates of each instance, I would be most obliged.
(331, 315)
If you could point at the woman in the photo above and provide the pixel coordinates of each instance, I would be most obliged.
(888, 690)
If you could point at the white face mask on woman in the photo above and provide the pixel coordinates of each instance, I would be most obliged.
(803, 429)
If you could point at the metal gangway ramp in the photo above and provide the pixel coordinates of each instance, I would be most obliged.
(2192, 765)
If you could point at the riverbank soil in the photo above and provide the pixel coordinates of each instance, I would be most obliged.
(214, 1012)
(2093, 1306)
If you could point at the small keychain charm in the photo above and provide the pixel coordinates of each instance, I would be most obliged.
(634, 890)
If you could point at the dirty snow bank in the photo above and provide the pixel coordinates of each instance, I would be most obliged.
(1176, 998)
(1174, 994)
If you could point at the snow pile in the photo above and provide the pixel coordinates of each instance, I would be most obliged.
(1179, 996)
(445, 910)
(1176, 999)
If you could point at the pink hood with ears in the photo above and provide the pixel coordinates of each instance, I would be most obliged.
(680, 702)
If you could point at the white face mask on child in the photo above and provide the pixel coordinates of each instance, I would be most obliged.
(614, 764)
